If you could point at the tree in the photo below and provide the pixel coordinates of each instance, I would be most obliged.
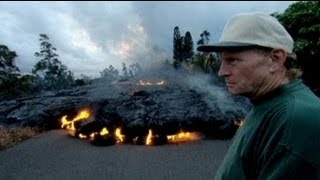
(187, 46)
(125, 74)
(9, 73)
(110, 73)
(134, 69)
(301, 19)
(204, 38)
(206, 62)
(182, 47)
(52, 73)
(83, 80)
(7, 63)
(177, 43)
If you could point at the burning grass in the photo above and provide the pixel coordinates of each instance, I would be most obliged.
(9, 137)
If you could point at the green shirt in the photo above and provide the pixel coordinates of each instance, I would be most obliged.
(279, 139)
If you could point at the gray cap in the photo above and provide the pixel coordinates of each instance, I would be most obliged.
(251, 29)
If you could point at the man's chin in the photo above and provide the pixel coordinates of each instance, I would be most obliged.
(234, 92)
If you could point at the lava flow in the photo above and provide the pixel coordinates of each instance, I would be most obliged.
(102, 135)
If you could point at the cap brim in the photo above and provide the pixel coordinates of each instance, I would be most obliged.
(221, 46)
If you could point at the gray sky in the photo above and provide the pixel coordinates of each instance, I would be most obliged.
(90, 36)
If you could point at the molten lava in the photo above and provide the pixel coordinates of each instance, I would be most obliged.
(148, 83)
(69, 125)
(108, 137)
(184, 136)
(176, 138)
(119, 136)
(81, 136)
(104, 132)
(148, 140)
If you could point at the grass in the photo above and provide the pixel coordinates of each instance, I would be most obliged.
(12, 136)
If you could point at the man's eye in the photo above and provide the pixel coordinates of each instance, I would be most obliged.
(232, 60)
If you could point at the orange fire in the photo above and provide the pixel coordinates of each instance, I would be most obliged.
(81, 136)
(176, 138)
(69, 125)
(104, 131)
(183, 137)
(92, 135)
(85, 114)
(148, 83)
(148, 141)
(119, 136)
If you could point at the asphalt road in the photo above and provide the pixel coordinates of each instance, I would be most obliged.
(55, 155)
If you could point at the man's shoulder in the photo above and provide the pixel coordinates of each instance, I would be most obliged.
(303, 127)
(305, 109)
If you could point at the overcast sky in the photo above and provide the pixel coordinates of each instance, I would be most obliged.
(90, 36)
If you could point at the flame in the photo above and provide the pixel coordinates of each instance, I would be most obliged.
(184, 136)
(148, 141)
(104, 131)
(81, 136)
(92, 135)
(161, 82)
(69, 125)
(148, 83)
(85, 114)
(119, 135)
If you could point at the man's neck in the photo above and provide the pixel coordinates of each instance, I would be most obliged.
(270, 86)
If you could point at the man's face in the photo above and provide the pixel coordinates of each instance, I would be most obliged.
(246, 72)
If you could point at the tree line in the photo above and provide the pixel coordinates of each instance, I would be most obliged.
(48, 73)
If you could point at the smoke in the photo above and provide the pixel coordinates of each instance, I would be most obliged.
(216, 94)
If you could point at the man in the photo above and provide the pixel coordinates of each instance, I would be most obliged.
(279, 136)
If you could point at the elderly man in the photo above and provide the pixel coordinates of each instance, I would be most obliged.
(279, 138)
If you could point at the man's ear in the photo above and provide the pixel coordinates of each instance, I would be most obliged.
(278, 57)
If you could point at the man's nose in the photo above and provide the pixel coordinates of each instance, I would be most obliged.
(223, 71)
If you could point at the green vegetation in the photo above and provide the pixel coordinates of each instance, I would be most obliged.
(185, 57)
(52, 74)
(12, 83)
(182, 47)
(302, 20)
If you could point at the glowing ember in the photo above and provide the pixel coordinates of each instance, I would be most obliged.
(119, 135)
(161, 82)
(148, 141)
(104, 131)
(81, 136)
(92, 135)
(148, 83)
(184, 136)
(153, 139)
(69, 125)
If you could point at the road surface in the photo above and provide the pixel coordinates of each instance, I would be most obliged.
(56, 155)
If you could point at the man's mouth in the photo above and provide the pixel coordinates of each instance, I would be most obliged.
(230, 84)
